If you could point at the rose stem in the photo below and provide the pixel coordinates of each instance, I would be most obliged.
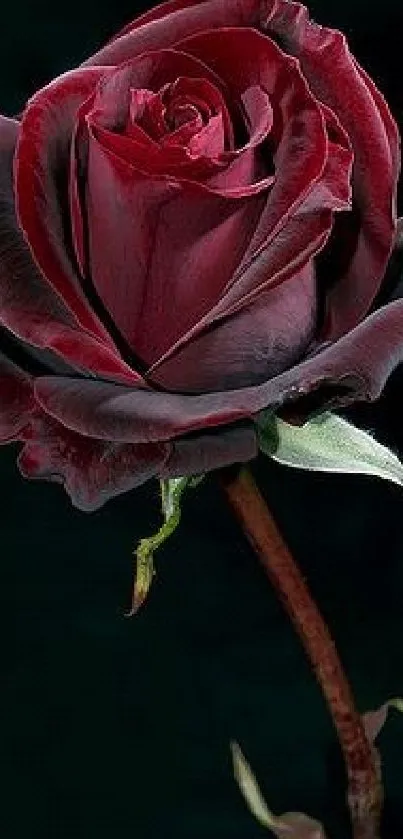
(365, 794)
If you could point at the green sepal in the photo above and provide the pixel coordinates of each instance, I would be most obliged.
(172, 490)
(268, 432)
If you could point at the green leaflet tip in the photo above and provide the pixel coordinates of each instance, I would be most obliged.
(172, 490)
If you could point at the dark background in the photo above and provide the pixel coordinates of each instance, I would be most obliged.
(114, 727)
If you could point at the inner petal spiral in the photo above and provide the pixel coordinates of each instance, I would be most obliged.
(187, 113)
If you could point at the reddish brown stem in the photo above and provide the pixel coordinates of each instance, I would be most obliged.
(365, 795)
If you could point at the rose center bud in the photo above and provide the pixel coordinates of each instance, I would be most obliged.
(147, 110)
(179, 115)
(187, 114)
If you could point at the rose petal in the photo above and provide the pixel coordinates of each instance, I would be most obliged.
(28, 305)
(17, 400)
(353, 368)
(34, 361)
(42, 157)
(300, 138)
(289, 231)
(253, 345)
(134, 222)
(77, 175)
(209, 140)
(91, 471)
(259, 112)
(249, 167)
(315, 46)
(166, 25)
(198, 174)
(241, 176)
(293, 242)
(162, 10)
(337, 80)
(41, 186)
(108, 113)
(206, 452)
(207, 97)
(301, 164)
(302, 238)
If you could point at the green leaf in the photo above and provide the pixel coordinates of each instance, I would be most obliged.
(287, 826)
(268, 436)
(327, 443)
(250, 789)
(172, 490)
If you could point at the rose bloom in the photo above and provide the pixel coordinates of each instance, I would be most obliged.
(194, 226)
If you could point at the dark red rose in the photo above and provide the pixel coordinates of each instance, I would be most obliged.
(194, 226)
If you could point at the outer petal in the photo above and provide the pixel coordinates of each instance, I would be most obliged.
(16, 400)
(41, 184)
(91, 471)
(211, 451)
(168, 24)
(28, 305)
(34, 361)
(162, 10)
(337, 80)
(353, 368)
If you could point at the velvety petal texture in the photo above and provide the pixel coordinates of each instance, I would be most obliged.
(91, 471)
(41, 164)
(194, 226)
(29, 306)
(166, 25)
(17, 400)
(260, 341)
(336, 79)
(211, 451)
(353, 368)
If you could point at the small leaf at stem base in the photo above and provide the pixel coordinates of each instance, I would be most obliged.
(287, 826)
(375, 720)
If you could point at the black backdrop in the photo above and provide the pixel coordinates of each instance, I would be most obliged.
(116, 727)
